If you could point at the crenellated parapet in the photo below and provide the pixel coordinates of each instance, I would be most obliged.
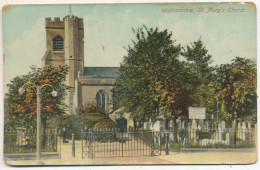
(58, 23)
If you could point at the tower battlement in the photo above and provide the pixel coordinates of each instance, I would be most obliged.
(58, 23)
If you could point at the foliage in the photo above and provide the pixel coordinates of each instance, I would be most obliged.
(74, 123)
(236, 85)
(203, 85)
(101, 125)
(152, 78)
(91, 108)
(183, 133)
(23, 106)
(204, 135)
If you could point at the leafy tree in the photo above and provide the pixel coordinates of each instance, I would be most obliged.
(24, 107)
(152, 78)
(203, 86)
(236, 85)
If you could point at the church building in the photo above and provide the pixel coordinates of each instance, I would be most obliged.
(65, 46)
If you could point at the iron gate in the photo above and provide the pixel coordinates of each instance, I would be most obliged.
(104, 143)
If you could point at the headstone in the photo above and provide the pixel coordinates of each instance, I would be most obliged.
(194, 124)
(227, 139)
(193, 130)
(21, 136)
(249, 126)
(156, 126)
(223, 125)
(182, 125)
(239, 134)
(199, 127)
(244, 131)
(238, 126)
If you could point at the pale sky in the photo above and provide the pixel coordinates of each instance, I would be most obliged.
(225, 34)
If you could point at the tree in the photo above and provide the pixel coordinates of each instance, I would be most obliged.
(24, 106)
(203, 86)
(152, 78)
(236, 85)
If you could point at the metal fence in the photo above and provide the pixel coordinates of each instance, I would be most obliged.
(207, 138)
(100, 143)
(22, 140)
(217, 138)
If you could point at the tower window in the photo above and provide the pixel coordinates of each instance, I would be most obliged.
(57, 44)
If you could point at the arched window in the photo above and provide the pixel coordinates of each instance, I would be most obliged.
(102, 99)
(57, 43)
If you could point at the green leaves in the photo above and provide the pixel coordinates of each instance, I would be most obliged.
(153, 78)
(24, 106)
(236, 86)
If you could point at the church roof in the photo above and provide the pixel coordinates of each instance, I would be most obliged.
(101, 72)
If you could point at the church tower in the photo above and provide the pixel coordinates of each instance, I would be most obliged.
(65, 46)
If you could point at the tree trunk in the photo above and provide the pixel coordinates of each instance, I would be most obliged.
(175, 130)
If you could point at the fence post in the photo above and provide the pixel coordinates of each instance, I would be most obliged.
(179, 143)
(167, 142)
(160, 142)
(60, 145)
(73, 145)
(152, 150)
(82, 138)
(122, 144)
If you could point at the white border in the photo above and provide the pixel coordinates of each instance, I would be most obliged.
(184, 167)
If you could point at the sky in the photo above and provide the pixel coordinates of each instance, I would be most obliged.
(108, 29)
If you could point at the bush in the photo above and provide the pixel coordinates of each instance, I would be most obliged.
(91, 108)
(102, 125)
(74, 123)
(204, 135)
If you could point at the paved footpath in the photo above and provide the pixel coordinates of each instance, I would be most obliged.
(173, 158)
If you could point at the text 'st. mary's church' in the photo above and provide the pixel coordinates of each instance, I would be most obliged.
(65, 46)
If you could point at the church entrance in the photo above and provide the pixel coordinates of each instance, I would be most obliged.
(108, 143)
(121, 123)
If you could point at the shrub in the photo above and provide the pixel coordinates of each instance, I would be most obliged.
(204, 135)
(74, 123)
(91, 108)
(102, 125)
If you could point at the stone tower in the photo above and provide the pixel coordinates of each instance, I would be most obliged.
(65, 46)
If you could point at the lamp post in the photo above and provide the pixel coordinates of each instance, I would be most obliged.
(39, 94)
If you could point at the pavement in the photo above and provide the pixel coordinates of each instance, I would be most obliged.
(228, 157)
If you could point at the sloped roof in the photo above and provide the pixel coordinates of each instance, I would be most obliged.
(46, 55)
(101, 72)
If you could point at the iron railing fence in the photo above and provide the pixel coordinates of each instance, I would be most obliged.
(101, 143)
(217, 138)
(205, 138)
(22, 140)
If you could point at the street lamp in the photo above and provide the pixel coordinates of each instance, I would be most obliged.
(38, 93)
